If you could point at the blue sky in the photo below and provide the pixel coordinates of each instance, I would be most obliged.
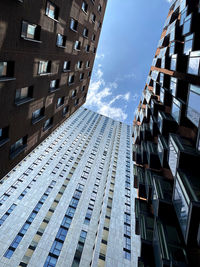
(129, 37)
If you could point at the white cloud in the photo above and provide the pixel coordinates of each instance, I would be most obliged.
(100, 56)
(169, 1)
(98, 93)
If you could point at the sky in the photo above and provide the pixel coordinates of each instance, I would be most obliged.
(128, 41)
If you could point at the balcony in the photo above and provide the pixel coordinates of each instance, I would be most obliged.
(182, 154)
(166, 124)
(186, 200)
(152, 156)
(162, 197)
(168, 248)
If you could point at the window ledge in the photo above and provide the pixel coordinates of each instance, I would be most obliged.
(23, 101)
(52, 18)
(66, 70)
(85, 36)
(14, 154)
(4, 141)
(7, 79)
(70, 84)
(73, 30)
(34, 121)
(61, 46)
(31, 40)
(45, 74)
(77, 49)
(57, 107)
(86, 13)
(47, 128)
(51, 90)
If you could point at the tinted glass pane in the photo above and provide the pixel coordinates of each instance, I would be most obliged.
(172, 158)
(175, 112)
(193, 110)
(186, 26)
(193, 67)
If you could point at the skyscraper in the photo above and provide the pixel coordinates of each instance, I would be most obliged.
(70, 202)
(47, 51)
(167, 145)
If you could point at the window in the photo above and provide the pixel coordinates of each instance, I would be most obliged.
(48, 124)
(193, 108)
(93, 17)
(173, 85)
(18, 146)
(188, 44)
(83, 88)
(99, 8)
(62, 233)
(173, 62)
(54, 85)
(79, 64)
(74, 25)
(89, 73)
(93, 37)
(6, 70)
(52, 11)
(30, 31)
(77, 45)
(193, 65)
(71, 79)
(81, 76)
(66, 65)
(183, 15)
(60, 102)
(76, 102)
(176, 110)
(70, 212)
(87, 48)
(66, 222)
(61, 40)
(56, 248)
(85, 32)
(23, 95)
(3, 135)
(44, 67)
(127, 242)
(73, 93)
(65, 110)
(94, 50)
(99, 24)
(187, 24)
(84, 6)
(37, 115)
(87, 65)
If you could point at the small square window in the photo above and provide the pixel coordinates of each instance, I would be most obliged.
(61, 40)
(48, 124)
(93, 17)
(73, 24)
(66, 65)
(87, 48)
(30, 31)
(76, 102)
(54, 85)
(52, 10)
(37, 115)
(74, 93)
(77, 45)
(71, 79)
(79, 64)
(85, 32)
(60, 102)
(81, 76)
(84, 7)
(44, 67)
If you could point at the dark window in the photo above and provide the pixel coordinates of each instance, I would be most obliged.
(54, 85)
(73, 93)
(44, 67)
(48, 124)
(52, 10)
(94, 50)
(83, 88)
(18, 146)
(3, 135)
(81, 76)
(93, 17)
(30, 31)
(76, 102)
(60, 101)
(79, 64)
(93, 37)
(73, 24)
(77, 45)
(71, 79)
(84, 6)
(87, 48)
(99, 8)
(61, 40)
(66, 65)
(85, 32)
(6, 69)
(65, 110)
(37, 115)
(23, 95)
(87, 65)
